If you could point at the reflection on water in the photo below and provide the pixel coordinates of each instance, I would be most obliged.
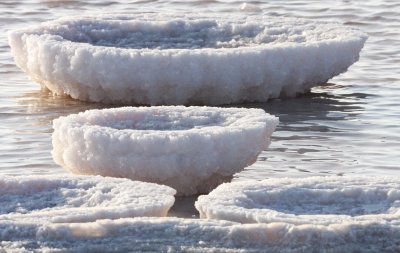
(26, 132)
(43, 106)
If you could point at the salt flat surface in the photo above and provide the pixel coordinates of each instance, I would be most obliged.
(313, 200)
(192, 149)
(41, 199)
(183, 59)
(188, 235)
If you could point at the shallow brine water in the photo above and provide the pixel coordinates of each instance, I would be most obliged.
(348, 126)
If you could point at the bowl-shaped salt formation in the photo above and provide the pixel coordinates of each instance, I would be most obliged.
(192, 149)
(41, 199)
(315, 200)
(183, 59)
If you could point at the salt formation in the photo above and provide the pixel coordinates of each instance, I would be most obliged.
(183, 59)
(315, 200)
(189, 235)
(40, 199)
(192, 149)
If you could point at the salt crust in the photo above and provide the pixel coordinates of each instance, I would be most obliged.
(192, 149)
(41, 199)
(183, 59)
(313, 200)
(189, 235)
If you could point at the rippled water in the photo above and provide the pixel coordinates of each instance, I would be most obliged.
(348, 126)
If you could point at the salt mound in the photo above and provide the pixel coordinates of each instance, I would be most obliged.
(183, 59)
(192, 149)
(315, 200)
(188, 235)
(39, 199)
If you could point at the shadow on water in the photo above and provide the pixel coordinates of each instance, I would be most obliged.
(315, 113)
(313, 135)
(297, 114)
(316, 105)
(184, 207)
(43, 106)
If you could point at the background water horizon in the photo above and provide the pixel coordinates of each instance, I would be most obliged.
(348, 126)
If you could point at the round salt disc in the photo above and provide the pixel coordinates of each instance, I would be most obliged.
(183, 59)
(315, 200)
(41, 199)
(192, 149)
(196, 235)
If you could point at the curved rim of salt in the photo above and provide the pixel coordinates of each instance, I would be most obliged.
(67, 198)
(312, 200)
(175, 120)
(56, 31)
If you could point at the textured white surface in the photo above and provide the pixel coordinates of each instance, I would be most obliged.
(183, 59)
(40, 199)
(314, 200)
(192, 149)
(188, 235)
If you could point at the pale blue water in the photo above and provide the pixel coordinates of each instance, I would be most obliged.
(349, 126)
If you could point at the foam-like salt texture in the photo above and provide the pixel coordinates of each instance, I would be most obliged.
(192, 149)
(183, 59)
(315, 200)
(188, 235)
(39, 199)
